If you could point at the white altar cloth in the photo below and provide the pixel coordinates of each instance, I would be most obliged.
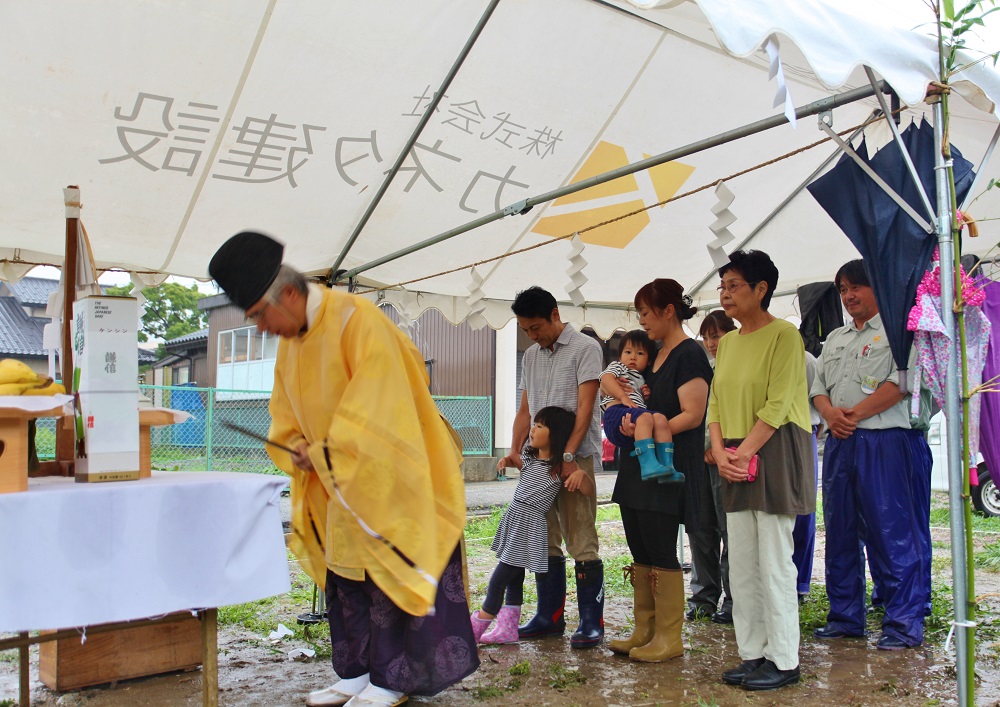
(76, 554)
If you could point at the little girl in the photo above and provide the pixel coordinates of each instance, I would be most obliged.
(522, 539)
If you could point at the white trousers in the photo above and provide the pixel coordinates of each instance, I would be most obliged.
(763, 580)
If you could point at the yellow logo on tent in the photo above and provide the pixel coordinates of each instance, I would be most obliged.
(614, 199)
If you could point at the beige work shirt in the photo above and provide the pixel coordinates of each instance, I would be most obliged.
(854, 363)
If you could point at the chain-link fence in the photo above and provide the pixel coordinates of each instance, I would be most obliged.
(205, 443)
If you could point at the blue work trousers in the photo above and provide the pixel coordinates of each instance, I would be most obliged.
(876, 489)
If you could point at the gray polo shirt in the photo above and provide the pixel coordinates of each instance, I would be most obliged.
(854, 363)
(554, 378)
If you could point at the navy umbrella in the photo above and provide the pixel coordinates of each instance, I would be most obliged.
(896, 250)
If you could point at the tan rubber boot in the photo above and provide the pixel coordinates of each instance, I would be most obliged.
(668, 595)
(644, 609)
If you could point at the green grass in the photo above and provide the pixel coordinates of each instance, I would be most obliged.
(263, 616)
(941, 518)
(989, 557)
(563, 677)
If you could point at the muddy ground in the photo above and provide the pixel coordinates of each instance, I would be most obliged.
(252, 671)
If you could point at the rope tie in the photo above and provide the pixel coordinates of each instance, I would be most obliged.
(628, 574)
(951, 631)
(652, 580)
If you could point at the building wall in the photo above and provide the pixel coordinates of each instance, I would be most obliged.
(219, 319)
(463, 359)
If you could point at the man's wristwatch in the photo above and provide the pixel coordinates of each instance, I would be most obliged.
(568, 457)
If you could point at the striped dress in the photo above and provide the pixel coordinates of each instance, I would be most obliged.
(522, 540)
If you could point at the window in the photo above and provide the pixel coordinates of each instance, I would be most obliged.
(240, 348)
(256, 345)
(226, 347)
(245, 363)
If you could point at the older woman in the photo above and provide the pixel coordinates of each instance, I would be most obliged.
(758, 420)
(678, 379)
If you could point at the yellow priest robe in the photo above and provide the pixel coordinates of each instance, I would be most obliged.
(387, 496)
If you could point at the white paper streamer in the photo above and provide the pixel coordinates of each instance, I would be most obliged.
(724, 218)
(12, 271)
(575, 271)
(476, 302)
(783, 95)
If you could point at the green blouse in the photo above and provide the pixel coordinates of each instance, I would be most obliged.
(760, 375)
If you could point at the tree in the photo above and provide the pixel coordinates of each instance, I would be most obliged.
(171, 310)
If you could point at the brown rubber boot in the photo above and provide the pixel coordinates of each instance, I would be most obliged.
(644, 609)
(668, 595)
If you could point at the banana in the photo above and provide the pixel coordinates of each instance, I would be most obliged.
(14, 371)
(51, 389)
(15, 388)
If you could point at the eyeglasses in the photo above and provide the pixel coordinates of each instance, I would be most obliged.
(733, 286)
(255, 317)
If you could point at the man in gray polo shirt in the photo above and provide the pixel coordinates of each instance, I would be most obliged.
(563, 368)
(876, 477)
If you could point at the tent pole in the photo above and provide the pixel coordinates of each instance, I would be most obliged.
(956, 463)
(777, 210)
(435, 100)
(820, 106)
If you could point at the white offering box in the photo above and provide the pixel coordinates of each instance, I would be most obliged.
(105, 345)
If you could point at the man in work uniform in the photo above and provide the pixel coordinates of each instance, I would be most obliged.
(378, 502)
(876, 477)
(563, 367)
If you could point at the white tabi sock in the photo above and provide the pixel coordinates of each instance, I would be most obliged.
(353, 686)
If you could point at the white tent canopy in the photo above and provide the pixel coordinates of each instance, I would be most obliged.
(185, 122)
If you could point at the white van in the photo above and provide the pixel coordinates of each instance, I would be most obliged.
(985, 496)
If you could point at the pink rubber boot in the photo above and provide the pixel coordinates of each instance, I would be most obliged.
(479, 625)
(506, 629)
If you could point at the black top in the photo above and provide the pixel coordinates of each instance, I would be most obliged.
(686, 362)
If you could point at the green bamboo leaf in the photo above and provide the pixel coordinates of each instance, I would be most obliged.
(949, 8)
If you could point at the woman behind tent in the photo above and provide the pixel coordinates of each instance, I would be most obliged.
(709, 565)
(758, 418)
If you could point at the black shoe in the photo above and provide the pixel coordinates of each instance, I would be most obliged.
(891, 643)
(768, 677)
(722, 617)
(736, 675)
(829, 631)
(699, 612)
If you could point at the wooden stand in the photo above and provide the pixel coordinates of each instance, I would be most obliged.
(147, 420)
(14, 446)
(69, 664)
(207, 647)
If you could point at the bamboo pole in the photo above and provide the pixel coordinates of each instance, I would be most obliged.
(66, 437)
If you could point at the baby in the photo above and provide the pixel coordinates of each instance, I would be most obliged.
(653, 442)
